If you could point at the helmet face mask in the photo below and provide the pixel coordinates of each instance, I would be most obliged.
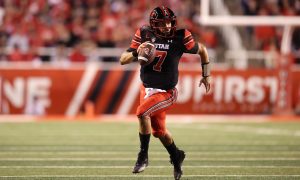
(163, 22)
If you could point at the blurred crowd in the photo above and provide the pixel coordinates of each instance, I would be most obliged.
(75, 28)
(72, 30)
(269, 37)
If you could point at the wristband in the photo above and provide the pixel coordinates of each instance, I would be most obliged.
(135, 53)
(205, 69)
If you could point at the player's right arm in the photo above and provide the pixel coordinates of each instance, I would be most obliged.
(128, 57)
(131, 54)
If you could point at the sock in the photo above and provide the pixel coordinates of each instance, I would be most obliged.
(144, 139)
(172, 149)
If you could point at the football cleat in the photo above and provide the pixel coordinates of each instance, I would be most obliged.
(177, 163)
(141, 163)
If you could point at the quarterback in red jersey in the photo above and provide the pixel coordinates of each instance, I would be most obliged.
(159, 78)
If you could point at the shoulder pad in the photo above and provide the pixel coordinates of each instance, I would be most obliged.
(145, 28)
(147, 34)
(180, 33)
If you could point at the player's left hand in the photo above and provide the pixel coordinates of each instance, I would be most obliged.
(206, 82)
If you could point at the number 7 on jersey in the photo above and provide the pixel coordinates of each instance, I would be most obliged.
(162, 56)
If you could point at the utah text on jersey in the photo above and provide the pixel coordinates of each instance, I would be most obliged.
(162, 46)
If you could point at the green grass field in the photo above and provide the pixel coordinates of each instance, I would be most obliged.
(102, 150)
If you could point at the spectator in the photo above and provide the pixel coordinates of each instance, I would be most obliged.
(16, 54)
(19, 39)
(2, 44)
(250, 7)
(296, 44)
(77, 55)
(60, 56)
(32, 55)
(105, 40)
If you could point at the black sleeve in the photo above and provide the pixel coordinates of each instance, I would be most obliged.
(134, 54)
(130, 49)
(194, 50)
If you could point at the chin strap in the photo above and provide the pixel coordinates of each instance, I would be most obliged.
(205, 69)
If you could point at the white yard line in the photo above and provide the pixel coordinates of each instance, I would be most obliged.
(243, 128)
(141, 176)
(153, 167)
(150, 153)
(261, 130)
(152, 159)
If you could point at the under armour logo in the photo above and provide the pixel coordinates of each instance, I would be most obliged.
(170, 41)
(153, 39)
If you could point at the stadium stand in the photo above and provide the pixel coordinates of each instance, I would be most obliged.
(27, 26)
(267, 38)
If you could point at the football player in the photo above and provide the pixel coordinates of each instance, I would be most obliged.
(159, 78)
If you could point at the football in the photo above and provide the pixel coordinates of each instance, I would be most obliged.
(146, 53)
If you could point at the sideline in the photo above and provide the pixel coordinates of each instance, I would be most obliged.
(170, 118)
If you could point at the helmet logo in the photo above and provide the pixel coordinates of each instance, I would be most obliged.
(166, 12)
(153, 39)
(154, 14)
